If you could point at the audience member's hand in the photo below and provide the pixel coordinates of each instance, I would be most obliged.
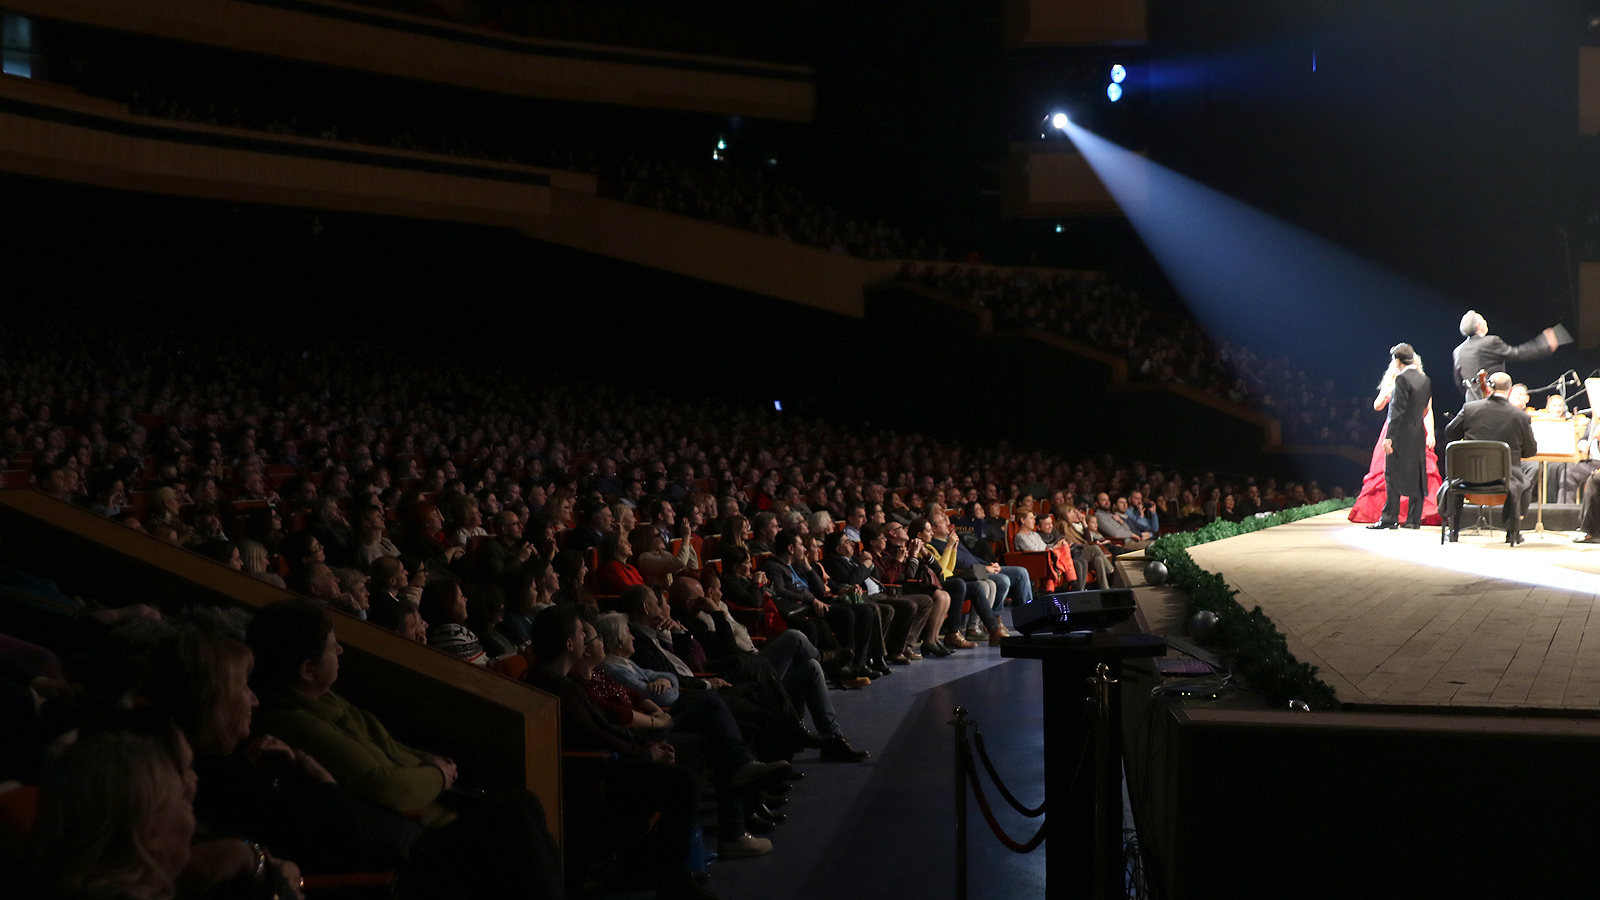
(662, 752)
(819, 606)
(524, 552)
(291, 877)
(445, 766)
(451, 554)
(993, 567)
(660, 686)
(714, 682)
(761, 579)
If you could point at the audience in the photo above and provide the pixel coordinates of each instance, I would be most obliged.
(1160, 343)
(471, 547)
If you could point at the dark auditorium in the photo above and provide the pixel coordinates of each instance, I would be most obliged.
(801, 450)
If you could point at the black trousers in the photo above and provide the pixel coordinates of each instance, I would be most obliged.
(1591, 506)
(1510, 513)
(1414, 490)
(856, 627)
(1576, 475)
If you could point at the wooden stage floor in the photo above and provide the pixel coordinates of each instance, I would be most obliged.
(1392, 618)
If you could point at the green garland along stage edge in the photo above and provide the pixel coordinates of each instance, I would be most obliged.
(1259, 651)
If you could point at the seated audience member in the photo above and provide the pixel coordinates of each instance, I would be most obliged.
(1112, 519)
(370, 538)
(798, 589)
(411, 623)
(444, 606)
(735, 532)
(897, 615)
(488, 843)
(1141, 515)
(643, 782)
(655, 563)
(819, 524)
(387, 586)
(901, 562)
(429, 548)
(262, 790)
(618, 664)
(332, 531)
(297, 662)
(165, 507)
(528, 590)
(702, 723)
(596, 521)
(766, 527)
(616, 573)
(301, 550)
(354, 591)
(227, 553)
(505, 553)
(486, 611)
(573, 571)
(1230, 511)
(791, 658)
(1088, 555)
(115, 820)
(745, 587)
(1029, 540)
(465, 520)
(987, 584)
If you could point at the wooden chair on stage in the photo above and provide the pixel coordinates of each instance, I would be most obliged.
(1479, 472)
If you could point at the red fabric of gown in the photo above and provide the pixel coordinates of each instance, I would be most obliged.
(1374, 491)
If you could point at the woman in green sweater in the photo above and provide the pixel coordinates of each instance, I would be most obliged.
(502, 842)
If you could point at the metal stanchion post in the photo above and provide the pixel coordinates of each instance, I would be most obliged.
(1107, 791)
(961, 725)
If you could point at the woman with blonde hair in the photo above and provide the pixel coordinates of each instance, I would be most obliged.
(820, 524)
(256, 562)
(114, 820)
(1374, 489)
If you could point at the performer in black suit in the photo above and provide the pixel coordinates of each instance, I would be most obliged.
(1482, 350)
(1405, 449)
(1495, 419)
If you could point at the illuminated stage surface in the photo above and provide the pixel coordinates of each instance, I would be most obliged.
(1393, 618)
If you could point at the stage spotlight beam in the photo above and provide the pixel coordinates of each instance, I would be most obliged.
(1251, 278)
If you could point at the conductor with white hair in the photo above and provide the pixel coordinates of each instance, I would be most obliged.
(1485, 351)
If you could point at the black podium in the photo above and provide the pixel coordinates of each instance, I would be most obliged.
(1083, 852)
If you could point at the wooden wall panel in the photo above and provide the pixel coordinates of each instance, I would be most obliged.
(369, 40)
(1073, 23)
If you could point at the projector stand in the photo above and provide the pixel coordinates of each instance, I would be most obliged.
(1083, 844)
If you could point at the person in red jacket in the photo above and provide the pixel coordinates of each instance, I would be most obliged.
(616, 574)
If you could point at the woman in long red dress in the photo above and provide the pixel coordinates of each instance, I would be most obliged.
(1369, 503)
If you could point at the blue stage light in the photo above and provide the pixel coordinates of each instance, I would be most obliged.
(1118, 73)
(1113, 92)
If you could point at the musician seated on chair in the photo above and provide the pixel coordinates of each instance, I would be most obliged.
(1494, 418)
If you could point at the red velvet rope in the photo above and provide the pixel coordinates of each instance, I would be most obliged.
(988, 816)
(983, 802)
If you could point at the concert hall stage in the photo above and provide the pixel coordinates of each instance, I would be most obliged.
(1395, 620)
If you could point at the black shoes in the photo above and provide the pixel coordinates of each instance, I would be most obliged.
(837, 749)
(1410, 526)
(1382, 526)
(1514, 541)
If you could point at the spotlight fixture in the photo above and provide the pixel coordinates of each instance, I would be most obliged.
(1113, 92)
(1118, 73)
(1059, 121)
